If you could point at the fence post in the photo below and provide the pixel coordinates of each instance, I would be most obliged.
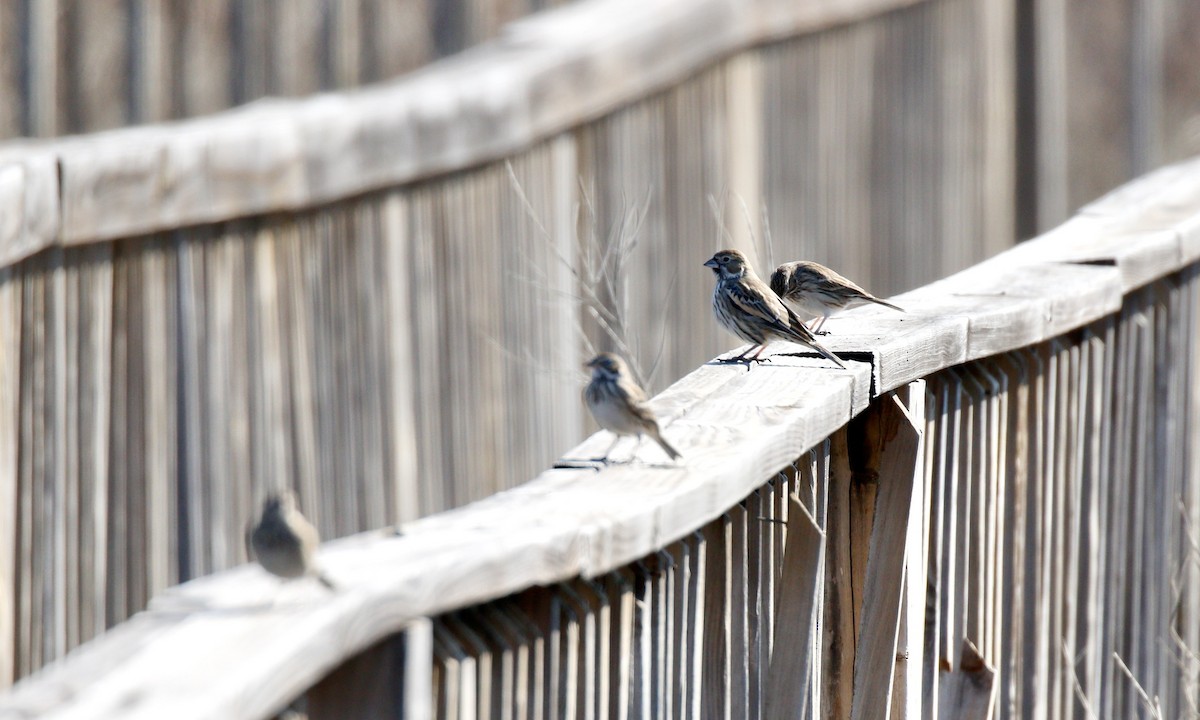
(788, 683)
(363, 687)
(884, 448)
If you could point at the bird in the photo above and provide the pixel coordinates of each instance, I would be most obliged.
(810, 289)
(284, 541)
(619, 405)
(746, 307)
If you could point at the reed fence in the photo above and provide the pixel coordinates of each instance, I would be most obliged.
(992, 512)
(71, 66)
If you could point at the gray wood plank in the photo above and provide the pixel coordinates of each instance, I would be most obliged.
(10, 474)
(898, 467)
(30, 204)
(12, 109)
(788, 682)
(838, 630)
(96, 57)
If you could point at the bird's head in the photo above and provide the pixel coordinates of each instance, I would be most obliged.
(279, 503)
(728, 264)
(606, 365)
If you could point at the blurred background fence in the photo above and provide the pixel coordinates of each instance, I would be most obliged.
(370, 295)
(73, 66)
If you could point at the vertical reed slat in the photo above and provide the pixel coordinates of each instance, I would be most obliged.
(14, 110)
(715, 680)
(96, 64)
(11, 372)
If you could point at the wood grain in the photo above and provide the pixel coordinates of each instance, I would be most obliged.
(788, 681)
(898, 467)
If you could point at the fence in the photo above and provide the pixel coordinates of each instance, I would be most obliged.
(210, 309)
(213, 308)
(993, 509)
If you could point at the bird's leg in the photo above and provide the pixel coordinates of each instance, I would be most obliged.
(816, 330)
(745, 352)
(742, 359)
(636, 446)
(604, 458)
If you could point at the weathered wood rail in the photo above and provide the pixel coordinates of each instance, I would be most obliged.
(994, 504)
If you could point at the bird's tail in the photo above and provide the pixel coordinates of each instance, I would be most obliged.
(885, 303)
(801, 334)
(825, 353)
(666, 446)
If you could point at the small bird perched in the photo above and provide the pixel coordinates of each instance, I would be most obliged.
(746, 307)
(284, 541)
(811, 289)
(619, 405)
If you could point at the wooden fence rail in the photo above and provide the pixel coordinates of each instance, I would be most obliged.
(994, 509)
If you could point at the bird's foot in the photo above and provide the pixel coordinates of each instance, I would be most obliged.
(742, 360)
(581, 464)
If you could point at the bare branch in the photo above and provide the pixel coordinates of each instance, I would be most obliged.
(1069, 665)
(662, 337)
(1151, 705)
(718, 211)
(770, 242)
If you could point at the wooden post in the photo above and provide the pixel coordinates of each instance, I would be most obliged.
(908, 698)
(887, 442)
(715, 669)
(838, 626)
(788, 683)
(392, 678)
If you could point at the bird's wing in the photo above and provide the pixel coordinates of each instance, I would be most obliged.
(305, 532)
(645, 414)
(636, 401)
(631, 390)
(831, 282)
(797, 326)
(759, 302)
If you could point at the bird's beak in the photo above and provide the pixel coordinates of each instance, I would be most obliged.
(712, 263)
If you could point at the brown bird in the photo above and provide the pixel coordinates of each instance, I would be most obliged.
(619, 405)
(746, 307)
(811, 289)
(284, 541)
